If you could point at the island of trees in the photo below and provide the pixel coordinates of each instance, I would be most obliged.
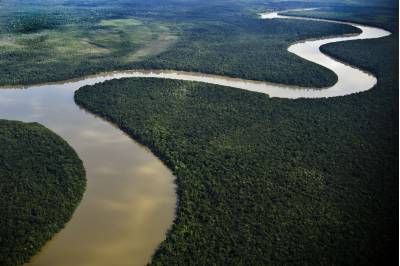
(42, 180)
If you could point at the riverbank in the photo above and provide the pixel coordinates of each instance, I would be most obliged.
(42, 181)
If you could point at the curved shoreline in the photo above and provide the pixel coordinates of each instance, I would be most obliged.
(350, 79)
(52, 116)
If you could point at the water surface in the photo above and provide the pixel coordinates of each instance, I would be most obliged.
(130, 199)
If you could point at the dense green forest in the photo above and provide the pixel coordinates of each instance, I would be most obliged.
(42, 181)
(41, 43)
(265, 181)
(249, 48)
(386, 18)
(268, 181)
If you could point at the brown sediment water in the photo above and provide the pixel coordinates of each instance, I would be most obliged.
(130, 199)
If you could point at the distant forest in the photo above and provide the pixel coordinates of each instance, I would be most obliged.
(55, 43)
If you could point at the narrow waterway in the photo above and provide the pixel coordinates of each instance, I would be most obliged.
(130, 199)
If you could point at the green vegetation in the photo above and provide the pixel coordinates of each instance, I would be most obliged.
(265, 181)
(386, 18)
(50, 54)
(41, 183)
(31, 24)
(41, 43)
(249, 48)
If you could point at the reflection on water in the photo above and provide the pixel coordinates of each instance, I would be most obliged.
(350, 79)
(130, 199)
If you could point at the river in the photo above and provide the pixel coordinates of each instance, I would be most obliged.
(130, 199)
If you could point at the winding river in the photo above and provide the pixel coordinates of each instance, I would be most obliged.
(130, 199)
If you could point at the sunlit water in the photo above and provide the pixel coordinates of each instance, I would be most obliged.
(130, 199)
